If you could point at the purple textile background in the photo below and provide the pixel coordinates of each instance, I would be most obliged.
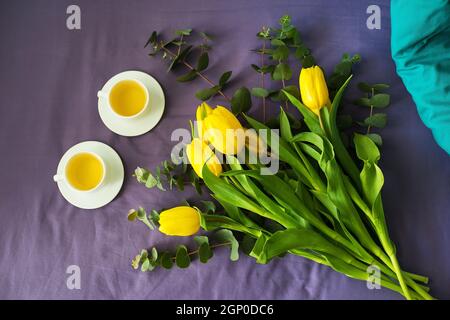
(49, 77)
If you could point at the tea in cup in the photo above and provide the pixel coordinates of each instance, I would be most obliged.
(84, 171)
(127, 98)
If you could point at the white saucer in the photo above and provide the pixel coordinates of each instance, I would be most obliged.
(111, 185)
(144, 122)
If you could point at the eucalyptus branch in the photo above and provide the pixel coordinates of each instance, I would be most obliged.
(201, 75)
(180, 57)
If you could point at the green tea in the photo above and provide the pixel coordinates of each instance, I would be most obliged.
(127, 98)
(84, 171)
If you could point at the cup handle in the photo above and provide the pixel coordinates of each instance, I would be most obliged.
(58, 177)
(101, 94)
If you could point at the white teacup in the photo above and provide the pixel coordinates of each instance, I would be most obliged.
(83, 172)
(126, 98)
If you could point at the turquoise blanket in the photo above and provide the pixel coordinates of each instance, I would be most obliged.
(421, 51)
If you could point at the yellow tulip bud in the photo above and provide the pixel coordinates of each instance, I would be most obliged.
(198, 152)
(202, 111)
(179, 221)
(224, 131)
(313, 89)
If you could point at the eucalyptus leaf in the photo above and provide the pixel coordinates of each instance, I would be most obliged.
(225, 235)
(204, 252)
(203, 61)
(184, 32)
(259, 92)
(166, 260)
(182, 258)
(380, 100)
(132, 215)
(364, 87)
(375, 137)
(241, 101)
(180, 58)
(378, 120)
(206, 94)
(151, 181)
(280, 53)
(191, 75)
(379, 87)
(151, 39)
(277, 42)
(145, 265)
(363, 102)
(282, 72)
(224, 78)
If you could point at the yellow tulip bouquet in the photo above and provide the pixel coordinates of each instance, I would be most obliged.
(322, 203)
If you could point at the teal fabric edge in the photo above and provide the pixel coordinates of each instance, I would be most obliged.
(420, 45)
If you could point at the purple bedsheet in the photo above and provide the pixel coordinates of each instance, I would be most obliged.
(49, 77)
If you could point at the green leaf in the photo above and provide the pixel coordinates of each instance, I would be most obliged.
(224, 78)
(293, 90)
(141, 214)
(207, 93)
(135, 262)
(375, 137)
(166, 260)
(209, 207)
(179, 58)
(241, 101)
(183, 32)
(132, 215)
(182, 258)
(364, 87)
(264, 69)
(141, 174)
(203, 61)
(363, 102)
(280, 53)
(145, 265)
(344, 68)
(380, 100)
(311, 119)
(204, 251)
(260, 92)
(277, 42)
(378, 120)
(191, 75)
(366, 149)
(285, 126)
(302, 51)
(151, 181)
(379, 87)
(282, 72)
(225, 235)
(201, 239)
(298, 238)
(308, 61)
(151, 39)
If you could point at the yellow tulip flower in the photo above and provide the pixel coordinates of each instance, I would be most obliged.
(224, 131)
(179, 221)
(203, 110)
(198, 152)
(313, 89)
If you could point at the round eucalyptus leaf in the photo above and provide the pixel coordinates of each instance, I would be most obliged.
(166, 260)
(182, 258)
(380, 100)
